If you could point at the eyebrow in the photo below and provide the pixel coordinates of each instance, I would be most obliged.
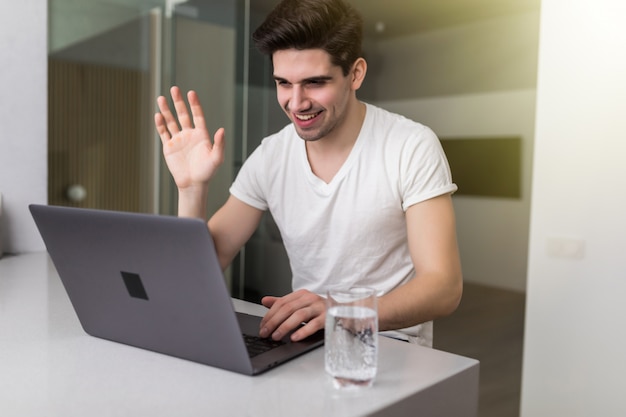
(310, 79)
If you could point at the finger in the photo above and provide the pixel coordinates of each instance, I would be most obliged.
(286, 313)
(168, 117)
(309, 328)
(181, 109)
(196, 110)
(218, 140)
(218, 147)
(279, 309)
(266, 328)
(268, 301)
(161, 128)
(305, 321)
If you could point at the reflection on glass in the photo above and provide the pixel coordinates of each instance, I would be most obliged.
(103, 77)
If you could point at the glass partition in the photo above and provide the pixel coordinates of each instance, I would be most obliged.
(104, 74)
(212, 54)
(110, 59)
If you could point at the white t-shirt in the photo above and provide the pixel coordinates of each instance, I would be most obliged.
(351, 231)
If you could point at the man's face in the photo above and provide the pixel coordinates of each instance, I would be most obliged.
(312, 91)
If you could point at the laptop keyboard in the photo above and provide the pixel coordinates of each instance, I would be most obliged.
(257, 345)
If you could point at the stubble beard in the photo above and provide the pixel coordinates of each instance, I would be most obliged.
(320, 133)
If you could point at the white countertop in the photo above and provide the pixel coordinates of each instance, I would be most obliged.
(50, 367)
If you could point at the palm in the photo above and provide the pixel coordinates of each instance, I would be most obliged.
(191, 156)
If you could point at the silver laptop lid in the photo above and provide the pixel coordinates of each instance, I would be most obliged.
(148, 281)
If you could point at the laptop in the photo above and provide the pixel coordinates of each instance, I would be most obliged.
(154, 282)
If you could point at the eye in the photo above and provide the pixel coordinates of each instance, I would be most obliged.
(316, 83)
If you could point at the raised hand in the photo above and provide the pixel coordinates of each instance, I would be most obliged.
(191, 156)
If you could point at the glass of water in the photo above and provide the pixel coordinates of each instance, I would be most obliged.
(351, 337)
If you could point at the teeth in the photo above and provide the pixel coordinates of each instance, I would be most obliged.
(305, 117)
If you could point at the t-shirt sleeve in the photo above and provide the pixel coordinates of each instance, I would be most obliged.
(249, 184)
(424, 169)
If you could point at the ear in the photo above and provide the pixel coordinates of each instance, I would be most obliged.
(359, 69)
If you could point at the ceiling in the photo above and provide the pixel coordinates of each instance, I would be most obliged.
(406, 17)
(398, 17)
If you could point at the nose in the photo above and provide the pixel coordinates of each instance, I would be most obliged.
(298, 101)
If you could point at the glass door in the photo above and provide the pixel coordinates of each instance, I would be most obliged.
(104, 74)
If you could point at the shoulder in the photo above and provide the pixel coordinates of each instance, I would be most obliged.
(279, 140)
(274, 150)
(398, 130)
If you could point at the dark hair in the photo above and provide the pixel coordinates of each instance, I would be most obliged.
(331, 25)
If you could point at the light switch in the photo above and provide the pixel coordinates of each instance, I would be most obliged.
(1, 237)
(565, 247)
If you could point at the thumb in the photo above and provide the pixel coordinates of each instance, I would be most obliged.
(218, 147)
(218, 140)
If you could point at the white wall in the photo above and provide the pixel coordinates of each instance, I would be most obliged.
(497, 54)
(23, 118)
(574, 362)
(484, 77)
(492, 233)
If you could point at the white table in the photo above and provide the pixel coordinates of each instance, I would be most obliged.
(50, 367)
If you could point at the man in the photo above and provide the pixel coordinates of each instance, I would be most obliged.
(361, 196)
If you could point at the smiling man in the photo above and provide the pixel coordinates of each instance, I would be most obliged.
(361, 196)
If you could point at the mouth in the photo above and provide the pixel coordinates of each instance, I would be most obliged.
(306, 117)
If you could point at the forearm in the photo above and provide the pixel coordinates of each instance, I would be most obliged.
(426, 297)
(436, 289)
(231, 227)
(192, 201)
